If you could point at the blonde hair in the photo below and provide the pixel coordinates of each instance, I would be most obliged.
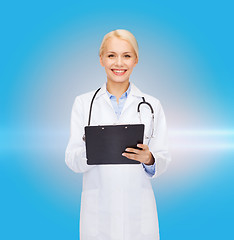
(121, 34)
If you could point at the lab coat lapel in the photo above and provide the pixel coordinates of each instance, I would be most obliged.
(102, 93)
(134, 92)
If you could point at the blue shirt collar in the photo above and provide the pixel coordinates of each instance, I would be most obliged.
(124, 94)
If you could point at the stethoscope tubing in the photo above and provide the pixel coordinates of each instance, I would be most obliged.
(138, 111)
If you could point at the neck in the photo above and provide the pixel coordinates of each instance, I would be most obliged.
(117, 89)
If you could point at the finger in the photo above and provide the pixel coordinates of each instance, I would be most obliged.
(143, 146)
(134, 150)
(130, 156)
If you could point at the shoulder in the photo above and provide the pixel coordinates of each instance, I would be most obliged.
(155, 102)
(156, 105)
(151, 98)
(148, 98)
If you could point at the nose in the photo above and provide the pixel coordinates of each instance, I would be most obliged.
(119, 61)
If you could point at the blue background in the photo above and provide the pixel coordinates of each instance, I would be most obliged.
(49, 55)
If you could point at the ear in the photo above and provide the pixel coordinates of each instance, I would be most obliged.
(136, 62)
(101, 62)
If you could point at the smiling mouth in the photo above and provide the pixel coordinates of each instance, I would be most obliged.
(118, 72)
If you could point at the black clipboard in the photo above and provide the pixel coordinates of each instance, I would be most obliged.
(106, 143)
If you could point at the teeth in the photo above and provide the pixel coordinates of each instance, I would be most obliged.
(119, 71)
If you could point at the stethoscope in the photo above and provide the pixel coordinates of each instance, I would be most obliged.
(138, 111)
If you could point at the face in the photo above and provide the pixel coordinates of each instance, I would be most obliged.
(119, 59)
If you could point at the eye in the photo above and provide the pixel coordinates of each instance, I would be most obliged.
(111, 55)
(128, 56)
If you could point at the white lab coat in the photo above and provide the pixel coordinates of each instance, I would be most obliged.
(117, 200)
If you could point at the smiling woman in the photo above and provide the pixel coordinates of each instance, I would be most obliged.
(117, 200)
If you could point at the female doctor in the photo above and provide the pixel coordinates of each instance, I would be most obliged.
(117, 200)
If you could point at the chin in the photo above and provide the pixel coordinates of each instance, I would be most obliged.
(119, 80)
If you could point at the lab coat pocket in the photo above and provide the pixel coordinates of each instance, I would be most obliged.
(149, 217)
(89, 213)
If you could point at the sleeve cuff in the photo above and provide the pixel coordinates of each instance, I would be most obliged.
(150, 169)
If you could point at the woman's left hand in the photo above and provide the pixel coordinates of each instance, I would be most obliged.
(143, 156)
